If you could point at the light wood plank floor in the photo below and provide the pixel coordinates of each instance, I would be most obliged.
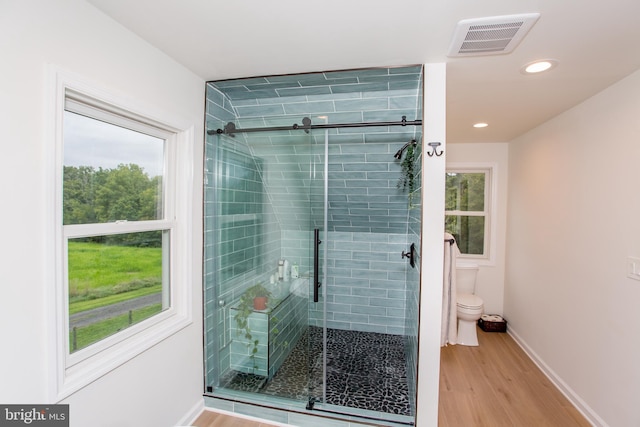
(492, 385)
(497, 384)
(214, 419)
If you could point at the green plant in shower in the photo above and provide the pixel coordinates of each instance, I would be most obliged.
(407, 180)
(243, 310)
(275, 331)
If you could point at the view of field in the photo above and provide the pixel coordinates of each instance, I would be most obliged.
(106, 279)
(114, 280)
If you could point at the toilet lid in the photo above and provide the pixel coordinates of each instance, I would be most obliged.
(468, 301)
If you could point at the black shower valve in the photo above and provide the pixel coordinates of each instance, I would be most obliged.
(411, 255)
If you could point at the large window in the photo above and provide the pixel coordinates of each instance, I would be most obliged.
(113, 176)
(467, 209)
(123, 200)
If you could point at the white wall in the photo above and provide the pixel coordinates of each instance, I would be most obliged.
(490, 281)
(574, 218)
(432, 255)
(163, 384)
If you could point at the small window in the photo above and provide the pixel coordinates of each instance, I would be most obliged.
(123, 201)
(467, 202)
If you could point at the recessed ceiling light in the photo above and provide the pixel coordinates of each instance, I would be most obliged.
(539, 66)
(480, 125)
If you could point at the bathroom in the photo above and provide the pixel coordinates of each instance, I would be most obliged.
(355, 176)
(568, 177)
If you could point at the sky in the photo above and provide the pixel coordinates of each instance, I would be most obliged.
(89, 142)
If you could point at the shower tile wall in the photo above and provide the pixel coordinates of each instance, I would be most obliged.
(245, 227)
(363, 185)
(366, 282)
(214, 319)
(365, 286)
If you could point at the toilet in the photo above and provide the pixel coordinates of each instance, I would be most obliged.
(469, 305)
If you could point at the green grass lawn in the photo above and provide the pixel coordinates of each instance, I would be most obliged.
(93, 333)
(99, 272)
(95, 265)
(102, 275)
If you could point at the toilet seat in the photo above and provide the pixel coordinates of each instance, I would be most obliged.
(469, 301)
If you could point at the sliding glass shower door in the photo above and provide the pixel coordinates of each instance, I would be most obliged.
(366, 320)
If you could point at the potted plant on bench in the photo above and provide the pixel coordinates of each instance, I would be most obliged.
(257, 295)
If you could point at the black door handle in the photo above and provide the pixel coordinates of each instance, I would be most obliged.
(316, 267)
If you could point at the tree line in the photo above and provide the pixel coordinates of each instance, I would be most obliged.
(125, 193)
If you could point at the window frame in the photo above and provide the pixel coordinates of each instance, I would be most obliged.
(70, 372)
(490, 207)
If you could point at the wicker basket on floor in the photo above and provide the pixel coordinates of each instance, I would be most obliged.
(492, 323)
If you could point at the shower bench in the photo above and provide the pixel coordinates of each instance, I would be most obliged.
(276, 330)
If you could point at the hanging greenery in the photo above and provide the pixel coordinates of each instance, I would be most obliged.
(407, 179)
(244, 309)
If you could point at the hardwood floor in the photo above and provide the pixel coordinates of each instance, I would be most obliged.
(214, 419)
(497, 384)
(492, 385)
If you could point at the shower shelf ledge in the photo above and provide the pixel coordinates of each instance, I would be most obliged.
(277, 329)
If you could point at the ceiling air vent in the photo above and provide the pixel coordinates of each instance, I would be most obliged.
(491, 36)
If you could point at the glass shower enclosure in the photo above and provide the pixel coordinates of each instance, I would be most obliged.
(312, 187)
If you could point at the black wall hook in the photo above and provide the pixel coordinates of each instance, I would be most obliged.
(433, 151)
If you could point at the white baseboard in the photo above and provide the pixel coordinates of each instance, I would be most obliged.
(564, 388)
(192, 415)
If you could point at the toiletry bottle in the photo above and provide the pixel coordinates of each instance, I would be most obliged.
(287, 271)
(295, 272)
(280, 269)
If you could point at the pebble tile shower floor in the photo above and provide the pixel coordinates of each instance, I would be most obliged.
(365, 370)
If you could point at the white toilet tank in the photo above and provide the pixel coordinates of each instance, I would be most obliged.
(466, 273)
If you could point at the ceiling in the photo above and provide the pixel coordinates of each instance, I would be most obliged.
(595, 44)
